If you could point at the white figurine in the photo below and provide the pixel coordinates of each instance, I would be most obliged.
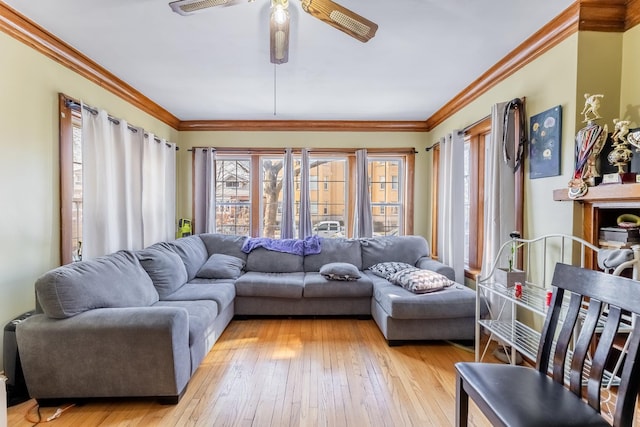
(591, 106)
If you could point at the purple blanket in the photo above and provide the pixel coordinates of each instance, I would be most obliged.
(307, 246)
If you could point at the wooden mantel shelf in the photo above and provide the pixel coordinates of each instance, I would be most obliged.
(602, 193)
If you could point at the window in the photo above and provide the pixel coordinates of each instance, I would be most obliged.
(476, 140)
(233, 195)
(249, 191)
(71, 196)
(386, 201)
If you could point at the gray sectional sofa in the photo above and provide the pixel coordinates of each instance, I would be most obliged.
(138, 323)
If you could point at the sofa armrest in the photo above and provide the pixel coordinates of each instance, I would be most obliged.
(142, 351)
(428, 263)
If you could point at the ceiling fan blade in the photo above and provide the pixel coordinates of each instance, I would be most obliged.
(279, 31)
(341, 18)
(187, 7)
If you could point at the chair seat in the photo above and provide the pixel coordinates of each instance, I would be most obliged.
(519, 396)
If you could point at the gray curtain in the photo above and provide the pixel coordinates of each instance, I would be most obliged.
(204, 190)
(451, 203)
(287, 228)
(305, 228)
(363, 219)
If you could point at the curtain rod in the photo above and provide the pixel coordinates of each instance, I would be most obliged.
(76, 106)
(401, 151)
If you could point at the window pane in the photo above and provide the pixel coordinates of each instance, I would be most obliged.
(386, 196)
(76, 209)
(233, 196)
(328, 207)
(467, 201)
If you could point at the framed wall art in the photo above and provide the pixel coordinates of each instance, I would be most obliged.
(545, 142)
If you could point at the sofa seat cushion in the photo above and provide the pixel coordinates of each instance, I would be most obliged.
(278, 285)
(334, 250)
(111, 281)
(317, 286)
(221, 291)
(202, 315)
(453, 302)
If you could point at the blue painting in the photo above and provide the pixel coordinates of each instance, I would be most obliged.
(545, 142)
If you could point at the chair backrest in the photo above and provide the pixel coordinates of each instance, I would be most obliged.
(589, 313)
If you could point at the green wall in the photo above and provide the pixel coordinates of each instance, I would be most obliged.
(29, 217)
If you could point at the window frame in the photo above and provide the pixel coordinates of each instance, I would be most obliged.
(406, 155)
(475, 136)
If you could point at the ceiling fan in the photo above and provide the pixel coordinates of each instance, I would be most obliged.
(327, 11)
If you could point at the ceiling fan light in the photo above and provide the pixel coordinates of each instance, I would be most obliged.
(279, 32)
(280, 48)
(187, 7)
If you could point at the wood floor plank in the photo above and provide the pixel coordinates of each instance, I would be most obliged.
(298, 373)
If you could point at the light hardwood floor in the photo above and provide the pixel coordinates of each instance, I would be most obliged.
(296, 372)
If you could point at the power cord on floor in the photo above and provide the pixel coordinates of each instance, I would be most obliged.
(55, 415)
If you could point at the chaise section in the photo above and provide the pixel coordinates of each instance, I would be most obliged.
(448, 314)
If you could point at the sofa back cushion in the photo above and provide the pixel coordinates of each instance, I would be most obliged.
(165, 267)
(393, 248)
(334, 250)
(192, 251)
(111, 281)
(266, 261)
(227, 244)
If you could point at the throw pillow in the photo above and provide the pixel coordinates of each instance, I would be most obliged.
(420, 281)
(386, 269)
(342, 271)
(221, 266)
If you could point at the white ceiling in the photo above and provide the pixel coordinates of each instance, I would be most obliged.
(214, 65)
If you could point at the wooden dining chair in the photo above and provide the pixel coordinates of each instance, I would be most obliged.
(551, 394)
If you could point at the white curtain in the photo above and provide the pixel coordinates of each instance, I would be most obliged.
(115, 193)
(451, 203)
(363, 219)
(500, 189)
(159, 190)
(305, 228)
(204, 190)
(287, 227)
(499, 203)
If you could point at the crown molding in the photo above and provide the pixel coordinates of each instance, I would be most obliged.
(303, 125)
(606, 16)
(587, 15)
(633, 14)
(31, 34)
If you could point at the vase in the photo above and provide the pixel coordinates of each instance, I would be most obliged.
(508, 278)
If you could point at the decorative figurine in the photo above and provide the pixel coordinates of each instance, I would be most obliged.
(591, 106)
(589, 143)
(621, 154)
